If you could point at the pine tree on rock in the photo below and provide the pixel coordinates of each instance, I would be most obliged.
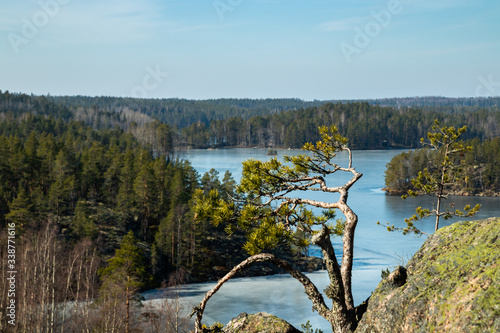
(436, 181)
(274, 212)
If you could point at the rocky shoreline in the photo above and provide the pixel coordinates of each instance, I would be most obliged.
(450, 285)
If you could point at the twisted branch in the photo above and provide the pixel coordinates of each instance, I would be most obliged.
(312, 292)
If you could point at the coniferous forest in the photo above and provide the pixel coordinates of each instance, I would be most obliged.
(72, 193)
(366, 126)
(99, 214)
(102, 206)
(287, 123)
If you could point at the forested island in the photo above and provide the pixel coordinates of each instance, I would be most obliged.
(91, 183)
(479, 172)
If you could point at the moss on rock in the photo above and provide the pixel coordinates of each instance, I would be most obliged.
(452, 285)
(259, 323)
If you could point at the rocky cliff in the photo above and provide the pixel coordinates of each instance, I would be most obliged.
(452, 284)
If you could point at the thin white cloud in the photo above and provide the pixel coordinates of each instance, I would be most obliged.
(433, 5)
(345, 24)
(113, 21)
(94, 22)
(473, 47)
(200, 27)
(462, 26)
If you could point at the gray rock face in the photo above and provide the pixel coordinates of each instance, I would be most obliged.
(259, 323)
(452, 284)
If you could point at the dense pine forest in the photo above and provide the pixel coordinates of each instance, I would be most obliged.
(84, 203)
(70, 194)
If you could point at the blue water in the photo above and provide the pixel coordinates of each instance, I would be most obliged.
(375, 248)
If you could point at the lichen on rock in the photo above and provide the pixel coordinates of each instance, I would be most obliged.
(452, 284)
(259, 323)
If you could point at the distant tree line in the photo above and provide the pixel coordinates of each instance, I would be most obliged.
(161, 137)
(94, 116)
(181, 113)
(440, 104)
(289, 123)
(366, 127)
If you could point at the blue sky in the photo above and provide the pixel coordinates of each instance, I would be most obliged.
(200, 49)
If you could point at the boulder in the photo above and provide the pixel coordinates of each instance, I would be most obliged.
(259, 323)
(452, 284)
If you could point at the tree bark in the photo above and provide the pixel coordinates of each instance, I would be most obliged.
(53, 282)
(336, 289)
(348, 253)
(340, 324)
(127, 323)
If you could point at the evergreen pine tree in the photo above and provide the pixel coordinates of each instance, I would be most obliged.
(126, 273)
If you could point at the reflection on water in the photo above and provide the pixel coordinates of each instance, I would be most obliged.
(375, 248)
